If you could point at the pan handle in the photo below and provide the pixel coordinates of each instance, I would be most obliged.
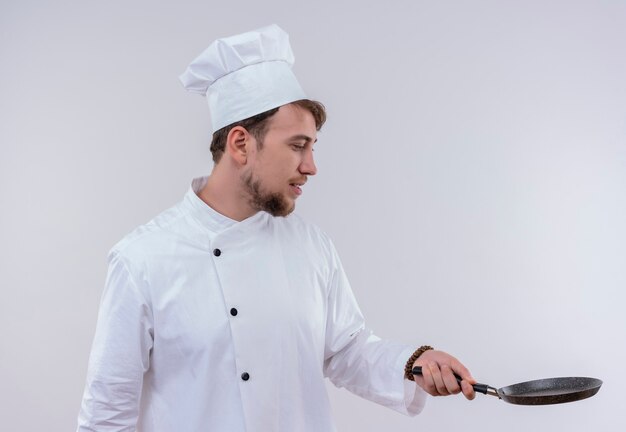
(478, 387)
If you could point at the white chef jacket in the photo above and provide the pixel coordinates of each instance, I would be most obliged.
(208, 324)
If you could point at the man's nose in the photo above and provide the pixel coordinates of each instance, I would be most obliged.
(307, 166)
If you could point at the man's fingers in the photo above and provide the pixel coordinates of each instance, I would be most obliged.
(468, 379)
(438, 375)
(468, 390)
(428, 379)
(429, 384)
(449, 380)
(462, 371)
(438, 379)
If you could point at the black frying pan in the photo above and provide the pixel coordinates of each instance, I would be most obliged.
(540, 392)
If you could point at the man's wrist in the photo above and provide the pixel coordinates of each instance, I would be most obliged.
(408, 369)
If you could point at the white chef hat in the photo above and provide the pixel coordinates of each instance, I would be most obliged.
(244, 75)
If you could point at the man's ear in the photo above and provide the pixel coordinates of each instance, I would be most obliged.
(236, 141)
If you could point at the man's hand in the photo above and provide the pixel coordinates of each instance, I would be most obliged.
(437, 377)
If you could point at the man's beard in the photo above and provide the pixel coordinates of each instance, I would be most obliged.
(273, 203)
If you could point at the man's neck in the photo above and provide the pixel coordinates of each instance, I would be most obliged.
(226, 197)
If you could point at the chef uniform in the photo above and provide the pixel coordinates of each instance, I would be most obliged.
(209, 324)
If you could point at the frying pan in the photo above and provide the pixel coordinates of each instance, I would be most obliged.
(539, 392)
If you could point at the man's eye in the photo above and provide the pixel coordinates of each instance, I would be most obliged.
(297, 146)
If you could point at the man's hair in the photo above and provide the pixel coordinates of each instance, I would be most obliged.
(257, 125)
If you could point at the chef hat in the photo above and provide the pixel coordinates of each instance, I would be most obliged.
(244, 75)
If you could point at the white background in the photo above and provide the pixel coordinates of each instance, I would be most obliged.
(472, 175)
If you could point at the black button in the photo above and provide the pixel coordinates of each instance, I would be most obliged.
(217, 252)
(245, 376)
(233, 312)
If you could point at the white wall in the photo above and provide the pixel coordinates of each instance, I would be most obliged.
(472, 175)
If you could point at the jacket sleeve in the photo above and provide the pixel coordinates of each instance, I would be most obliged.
(120, 355)
(360, 361)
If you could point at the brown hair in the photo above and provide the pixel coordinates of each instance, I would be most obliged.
(257, 125)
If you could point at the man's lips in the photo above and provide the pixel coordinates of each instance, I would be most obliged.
(296, 187)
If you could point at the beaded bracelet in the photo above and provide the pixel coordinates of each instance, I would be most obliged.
(408, 369)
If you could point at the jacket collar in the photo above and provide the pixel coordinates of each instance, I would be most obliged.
(214, 221)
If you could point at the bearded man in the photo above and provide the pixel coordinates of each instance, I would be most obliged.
(227, 312)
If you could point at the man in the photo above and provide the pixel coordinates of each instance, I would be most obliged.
(226, 312)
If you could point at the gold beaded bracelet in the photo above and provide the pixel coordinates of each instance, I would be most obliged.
(408, 369)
